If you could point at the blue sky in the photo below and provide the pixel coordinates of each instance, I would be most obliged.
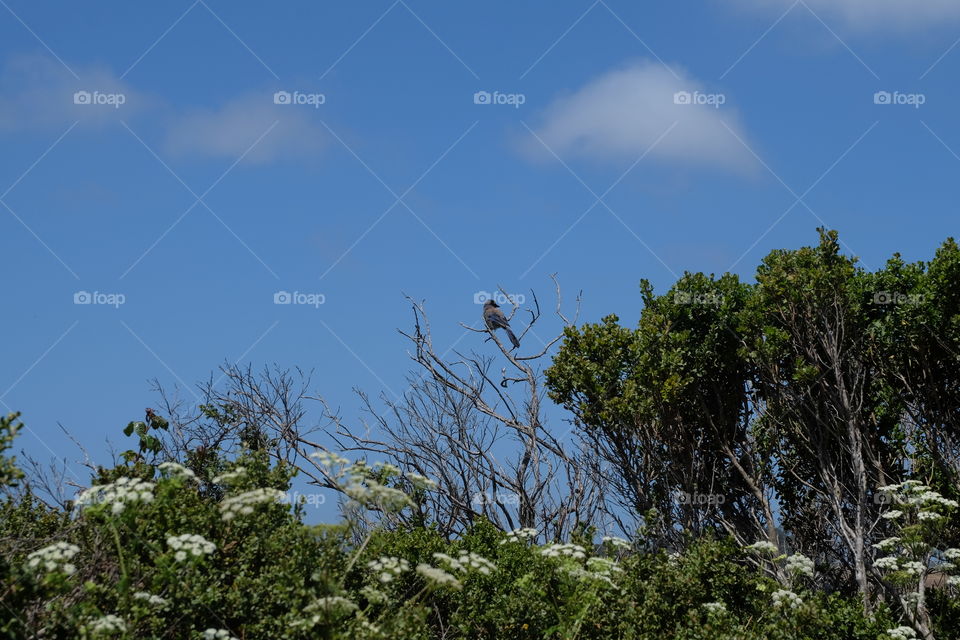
(438, 150)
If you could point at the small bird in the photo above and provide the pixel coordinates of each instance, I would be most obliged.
(496, 320)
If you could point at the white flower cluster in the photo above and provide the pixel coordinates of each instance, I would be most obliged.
(190, 544)
(571, 550)
(520, 535)
(117, 494)
(150, 598)
(764, 546)
(715, 607)
(244, 503)
(887, 544)
(616, 542)
(176, 469)
(330, 459)
(389, 567)
(889, 563)
(369, 492)
(55, 557)
(892, 515)
(360, 482)
(330, 603)
(598, 570)
(929, 515)
(912, 492)
(374, 595)
(914, 566)
(466, 562)
(952, 554)
(324, 608)
(603, 566)
(217, 634)
(800, 564)
(902, 633)
(107, 625)
(229, 476)
(419, 482)
(784, 598)
(438, 577)
(953, 581)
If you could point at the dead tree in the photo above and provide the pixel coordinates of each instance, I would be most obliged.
(481, 436)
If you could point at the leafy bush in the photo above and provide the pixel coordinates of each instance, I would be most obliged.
(161, 551)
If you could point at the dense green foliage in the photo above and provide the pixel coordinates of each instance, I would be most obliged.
(266, 574)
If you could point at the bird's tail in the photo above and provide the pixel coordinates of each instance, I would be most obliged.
(513, 338)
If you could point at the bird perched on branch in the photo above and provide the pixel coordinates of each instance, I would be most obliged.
(495, 319)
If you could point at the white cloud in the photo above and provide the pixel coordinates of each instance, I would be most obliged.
(230, 130)
(888, 15)
(40, 93)
(622, 114)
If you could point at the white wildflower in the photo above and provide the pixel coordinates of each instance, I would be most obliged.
(217, 634)
(520, 535)
(892, 515)
(118, 494)
(603, 566)
(571, 550)
(55, 557)
(764, 546)
(374, 595)
(890, 562)
(902, 633)
(329, 459)
(929, 515)
(438, 577)
(244, 503)
(150, 598)
(370, 493)
(419, 482)
(389, 567)
(800, 564)
(466, 562)
(887, 544)
(229, 476)
(174, 468)
(914, 566)
(107, 625)
(715, 607)
(616, 542)
(952, 554)
(322, 609)
(190, 544)
(785, 598)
